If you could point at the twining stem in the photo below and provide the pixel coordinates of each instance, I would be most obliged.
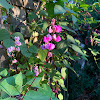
(11, 62)
(29, 87)
(35, 77)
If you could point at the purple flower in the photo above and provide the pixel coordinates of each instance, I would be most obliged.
(1, 46)
(53, 22)
(36, 70)
(14, 61)
(12, 48)
(57, 28)
(18, 43)
(50, 30)
(36, 73)
(47, 38)
(50, 46)
(43, 47)
(58, 39)
(18, 49)
(50, 54)
(17, 38)
(54, 37)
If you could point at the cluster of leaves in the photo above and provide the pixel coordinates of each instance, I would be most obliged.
(54, 75)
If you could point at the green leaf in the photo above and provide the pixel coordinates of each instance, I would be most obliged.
(68, 29)
(77, 49)
(32, 16)
(42, 54)
(85, 6)
(5, 4)
(4, 95)
(29, 73)
(35, 83)
(61, 82)
(70, 39)
(33, 95)
(8, 43)
(24, 50)
(19, 79)
(50, 8)
(94, 52)
(3, 71)
(4, 34)
(60, 96)
(9, 99)
(61, 46)
(46, 90)
(99, 1)
(45, 25)
(74, 19)
(33, 49)
(69, 10)
(59, 9)
(68, 66)
(63, 72)
(10, 87)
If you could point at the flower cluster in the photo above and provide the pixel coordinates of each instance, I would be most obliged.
(10, 50)
(49, 38)
(36, 70)
(17, 42)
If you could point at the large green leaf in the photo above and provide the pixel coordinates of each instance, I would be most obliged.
(33, 95)
(68, 66)
(19, 79)
(24, 50)
(50, 8)
(43, 93)
(10, 87)
(8, 43)
(62, 46)
(9, 99)
(33, 49)
(69, 10)
(77, 49)
(5, 4)
(42, 54)
(74, 19)
(99, 1)
(35, 83)
(4, 34)
(32, 16)
(68, 29)
(59, 9)
(70, 39)
(4, 95)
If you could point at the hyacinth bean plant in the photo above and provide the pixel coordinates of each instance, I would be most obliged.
(57, 56)
(39, 71)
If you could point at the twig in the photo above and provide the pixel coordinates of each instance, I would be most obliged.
(29, 87)
(35, 78)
